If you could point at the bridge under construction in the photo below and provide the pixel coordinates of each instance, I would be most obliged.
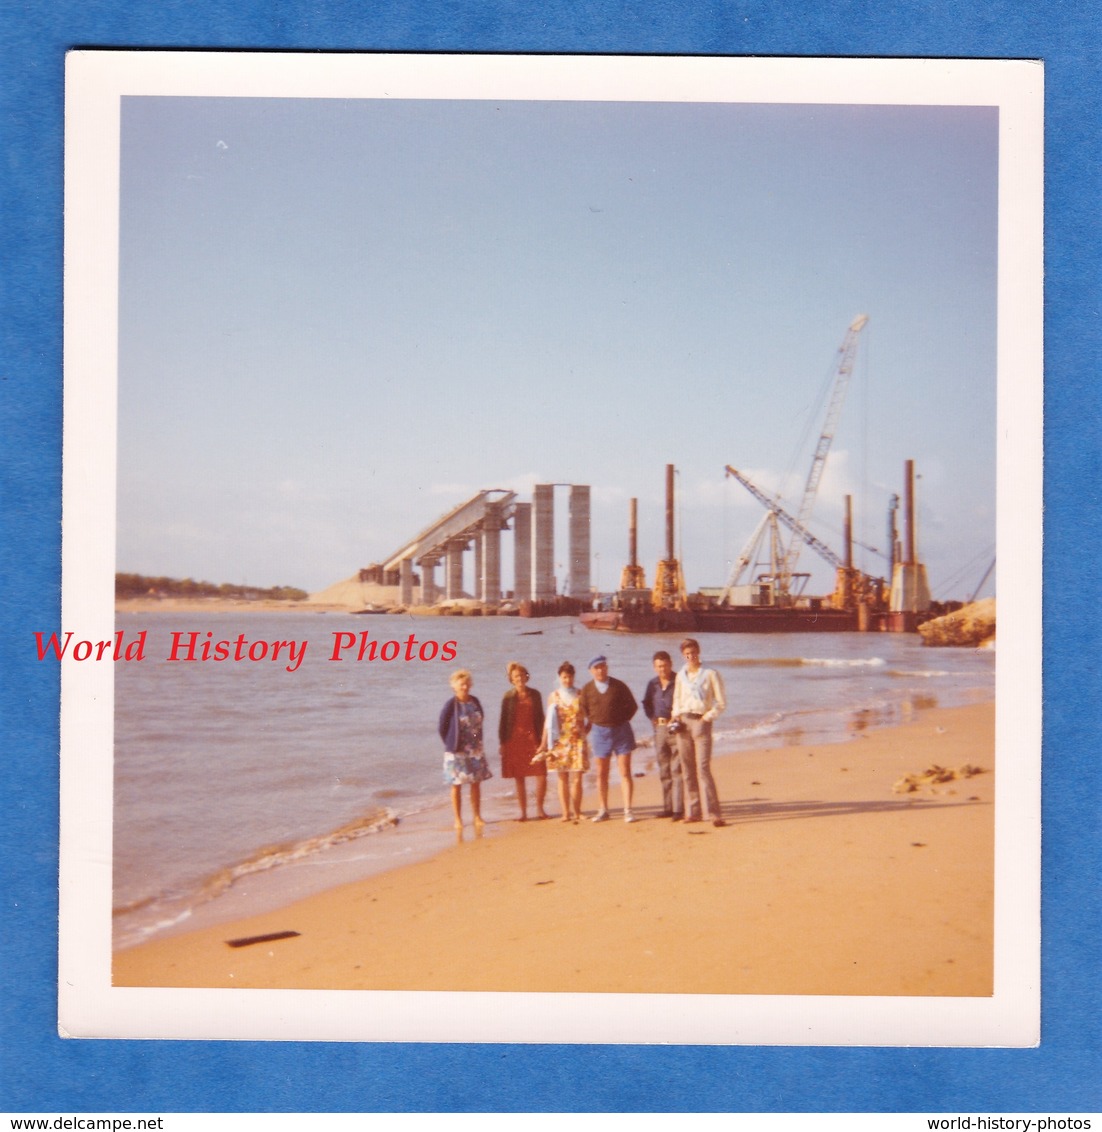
(477, 525)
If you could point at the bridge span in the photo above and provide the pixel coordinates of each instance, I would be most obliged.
(478, 523)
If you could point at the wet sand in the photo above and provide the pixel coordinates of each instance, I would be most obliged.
(826, 881)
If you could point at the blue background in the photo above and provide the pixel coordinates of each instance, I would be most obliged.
(42, 1073)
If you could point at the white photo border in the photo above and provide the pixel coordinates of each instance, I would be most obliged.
(89, 1006)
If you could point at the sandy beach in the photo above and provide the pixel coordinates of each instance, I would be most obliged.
(826, 881)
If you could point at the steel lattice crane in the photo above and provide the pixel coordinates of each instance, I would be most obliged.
(773, 512)
(850, 584)
(847, 354)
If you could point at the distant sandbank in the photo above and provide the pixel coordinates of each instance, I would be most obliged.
(460, 608)
(214, 604)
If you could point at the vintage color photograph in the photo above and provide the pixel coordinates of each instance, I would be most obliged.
(554, 552)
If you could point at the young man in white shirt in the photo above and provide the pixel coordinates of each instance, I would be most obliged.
(698, 697)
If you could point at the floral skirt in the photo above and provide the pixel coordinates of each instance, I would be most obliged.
(465, 767)
(568, 754)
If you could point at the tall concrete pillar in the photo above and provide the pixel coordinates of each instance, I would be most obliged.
(405, 581)
(476, 589)
(579, 541)
(492, 525)
(543, 541)
(454, 568)
(910, 592)
(522, 551)
(428, 581)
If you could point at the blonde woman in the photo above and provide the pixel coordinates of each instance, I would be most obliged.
(460, 728)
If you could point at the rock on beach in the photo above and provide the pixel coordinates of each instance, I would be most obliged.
(972, 626)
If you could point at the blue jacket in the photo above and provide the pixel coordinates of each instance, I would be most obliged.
(449, 722)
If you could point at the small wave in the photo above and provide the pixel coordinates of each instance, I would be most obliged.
(764, 727)
(908, 675)
(133, 936)
(804, 662)
(269, 857)
(134, 906)
(753, 730)
(272, 856)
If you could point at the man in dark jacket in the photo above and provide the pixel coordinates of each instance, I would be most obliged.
(658, 706)
(607, 706)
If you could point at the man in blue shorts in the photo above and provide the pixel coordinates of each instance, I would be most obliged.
(607, 706)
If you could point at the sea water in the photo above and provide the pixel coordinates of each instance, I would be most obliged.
(240, 785)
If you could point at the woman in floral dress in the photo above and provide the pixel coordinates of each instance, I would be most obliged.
(564, 747)
(460, 728)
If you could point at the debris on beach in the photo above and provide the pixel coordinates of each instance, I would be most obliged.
(248, 941)
(935, 776)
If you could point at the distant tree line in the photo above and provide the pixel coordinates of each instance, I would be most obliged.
(138, 585)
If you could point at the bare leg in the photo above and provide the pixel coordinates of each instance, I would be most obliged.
(541, 794)
(457, 805)
(564, 794)
(522, 798)
(627, 786)
(602, 784)
(476, 804)
(576, 791)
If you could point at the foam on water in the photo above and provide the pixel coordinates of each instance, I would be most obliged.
(801, 662)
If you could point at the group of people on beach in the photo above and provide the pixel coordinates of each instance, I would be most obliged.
(593, 722)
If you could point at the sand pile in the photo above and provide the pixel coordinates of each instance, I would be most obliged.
(973, 626)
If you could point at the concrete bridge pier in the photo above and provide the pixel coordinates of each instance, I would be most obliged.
(490, 545)
(543, 540)
(454, 568)
(405, 581)
(522, 552)
(579, 541)
(428, 580)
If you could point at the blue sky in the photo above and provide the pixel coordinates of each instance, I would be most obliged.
(340, 318)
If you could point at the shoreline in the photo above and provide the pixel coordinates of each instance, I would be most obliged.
(896, 890)
(236, 605)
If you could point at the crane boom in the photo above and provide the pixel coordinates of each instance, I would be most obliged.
(744, 558)
(848, 352)
(794, 525)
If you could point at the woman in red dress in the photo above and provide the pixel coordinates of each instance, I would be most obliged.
(519, 734)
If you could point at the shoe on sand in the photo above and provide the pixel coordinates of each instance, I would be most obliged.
(600, 815)
(629, 816)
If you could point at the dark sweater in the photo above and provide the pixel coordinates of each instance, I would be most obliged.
(614, 707)
(509, 711)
